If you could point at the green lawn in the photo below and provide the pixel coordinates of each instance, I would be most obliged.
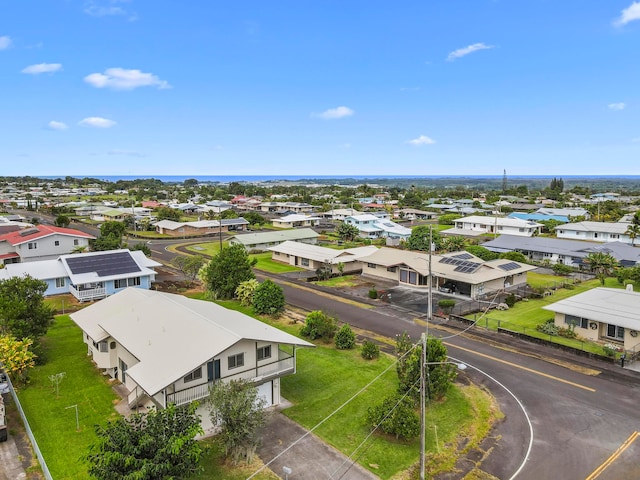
(525, 316)
(341, 281)
(207, 248)
(266, 264)
(53, 422)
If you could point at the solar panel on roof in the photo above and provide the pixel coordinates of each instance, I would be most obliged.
(463, 256)
(29, 231)
(509, 266)
(104, 265)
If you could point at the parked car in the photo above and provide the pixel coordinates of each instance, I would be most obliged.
(448, 287)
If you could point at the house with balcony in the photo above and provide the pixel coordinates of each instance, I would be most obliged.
(478, 225)
(89, 276)
(378, 226)
(610, 315)
(167, 348)
(42, 242)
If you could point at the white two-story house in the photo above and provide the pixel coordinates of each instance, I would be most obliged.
(595, 231)
(43, 242)
(377, 226)
(478, 225)
(167, 348)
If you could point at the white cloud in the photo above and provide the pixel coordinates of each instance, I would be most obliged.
(629, 14)
(5, 42)
(123, 79)
(108, 8)
(96, 122)
(54, 125)
(461, 52)
(334, 113)
(421, 140)
(42, 68)
(126, 153)
(617, 106)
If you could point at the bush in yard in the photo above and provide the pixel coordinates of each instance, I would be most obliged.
(567, 333)
(373, 293)
(319, 324)
(268, 299)
(548, 327)
(510, 300)
(345, 338)
(370, 350)
(446, 304)
(396, 415)
(245, 291)
(561, 269)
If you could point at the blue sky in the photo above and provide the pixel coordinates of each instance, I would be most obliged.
(324, 87)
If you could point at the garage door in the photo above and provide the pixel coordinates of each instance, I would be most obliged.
(266, 391)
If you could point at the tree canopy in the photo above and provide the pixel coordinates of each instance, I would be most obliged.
(157, 445)
(110, 238)
(228, 269)
(268, 299)
(23, 312)
(602, 264)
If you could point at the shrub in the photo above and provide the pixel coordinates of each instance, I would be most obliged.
(548, 327)
(373, 293)
(345, 338)
(370, 350)
(245, 291)
(396, 416)
(567, 332)
(510, 300)
(446, 304)
(268, 299)
(319, 324)
(562, 269)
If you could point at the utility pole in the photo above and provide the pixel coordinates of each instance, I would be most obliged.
(423, 360)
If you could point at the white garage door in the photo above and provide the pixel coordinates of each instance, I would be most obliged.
(266, 391)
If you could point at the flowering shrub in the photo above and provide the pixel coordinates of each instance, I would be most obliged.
(611, 349)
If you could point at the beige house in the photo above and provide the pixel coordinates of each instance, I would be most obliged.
(312, 257)
(200, 227)
(456, 272)
(602, 314)
(166, 348)
(296, 220)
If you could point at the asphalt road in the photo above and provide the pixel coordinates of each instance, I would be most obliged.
(578, 420)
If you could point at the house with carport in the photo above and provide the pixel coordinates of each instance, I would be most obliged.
(313, 257)
(459, 272)
(170, 349)
(609, 315)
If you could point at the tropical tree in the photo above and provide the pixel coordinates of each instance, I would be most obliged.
(514, 256)
(240, 413)
(245, 291)
(16, 357)
(189, 265)
(228, 269)
(633, 230)
(148, 446)
(268, 299)
(143, 247)
(454, 243)
(110, 238)
(319, 324)
(346, 231)
(481, 252)
(62, 221)
(419, 239)
(23, 312)
(602, 264)
(167, 213)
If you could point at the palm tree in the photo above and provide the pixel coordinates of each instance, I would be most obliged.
(454, 244)
(602, 264)
(633, 230)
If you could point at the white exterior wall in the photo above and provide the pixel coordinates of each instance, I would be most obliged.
(46, 248)
(380, 271)
(593, 236)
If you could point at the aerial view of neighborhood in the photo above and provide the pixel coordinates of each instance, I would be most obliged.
(319, 240)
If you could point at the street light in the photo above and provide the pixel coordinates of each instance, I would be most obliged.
(423, 367)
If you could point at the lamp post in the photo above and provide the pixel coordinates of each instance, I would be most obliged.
(423, 368)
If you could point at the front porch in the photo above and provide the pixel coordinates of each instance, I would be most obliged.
(88, 292)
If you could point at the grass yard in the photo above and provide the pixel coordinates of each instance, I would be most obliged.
(542, 280)
(266, 264)
(343, 281)
(207, 248)
(50, 416)
(525, 316)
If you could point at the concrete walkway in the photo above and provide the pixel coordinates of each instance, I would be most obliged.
(310, 458)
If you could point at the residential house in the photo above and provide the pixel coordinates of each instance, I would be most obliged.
(257, 242)
(461, 272)
(313, 257)
(378, 226)
(43, 242)
(415, 214)
(611, 315)
(567, 252)
(170, 349)
(340, 213)
(296, 220)
(89, 276)
(478, 225)
(595, 231)
(200, 227)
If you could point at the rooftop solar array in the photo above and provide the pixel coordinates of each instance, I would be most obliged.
(509, 266)
(462, 266)
(29, 231)
(104, 265)
(462, 256)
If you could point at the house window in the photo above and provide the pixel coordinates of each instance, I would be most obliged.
(103, 347)
(577, 321)
(235, 361)
(133, 282)
(371, 265)
(76, 242)
(60, 282)
(32, 245)
(57, 243)
(120, 283)
(614, 331)
(304, 262)
(392, 269)
(196, 374)
(264, 352)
